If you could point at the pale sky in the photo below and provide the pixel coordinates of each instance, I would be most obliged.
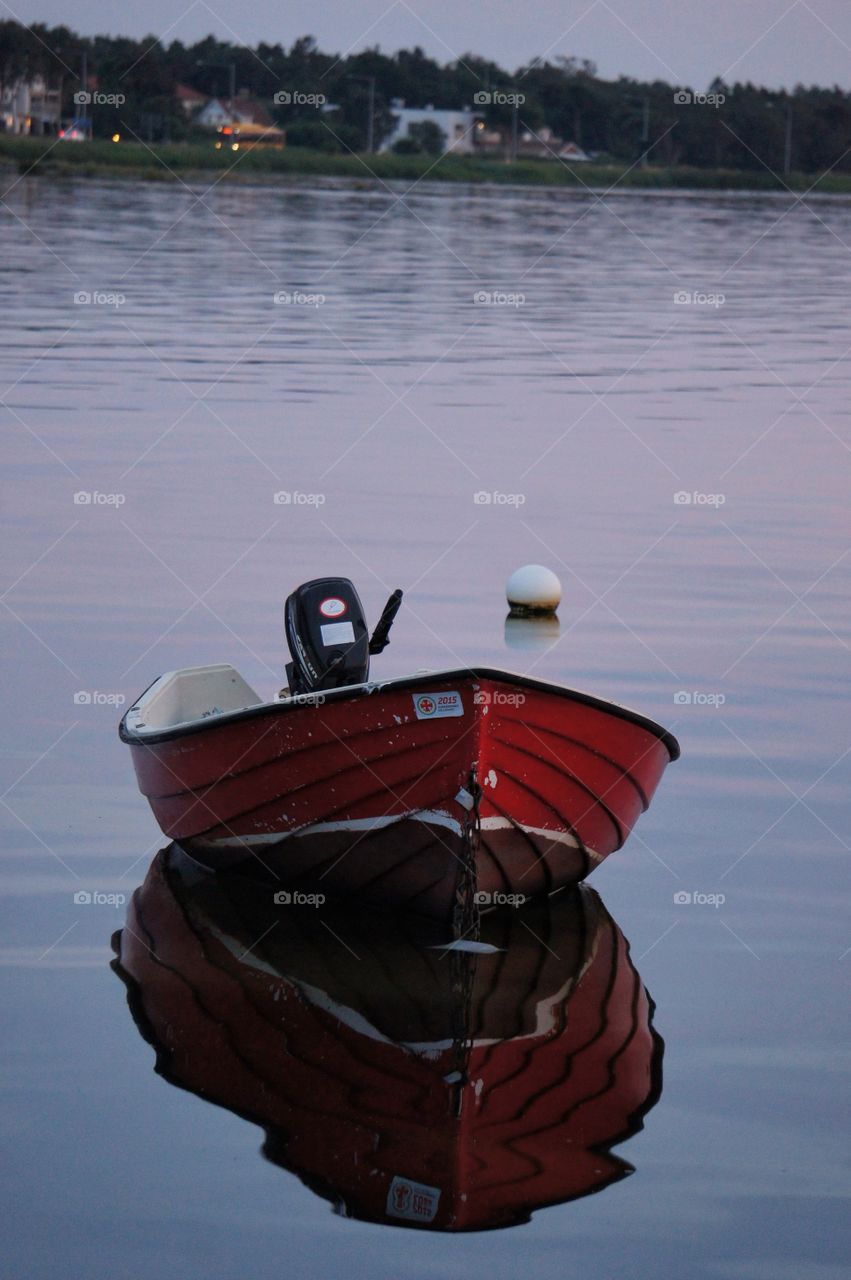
(776, 43)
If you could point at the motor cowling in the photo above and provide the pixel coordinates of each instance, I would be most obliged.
(327, 636)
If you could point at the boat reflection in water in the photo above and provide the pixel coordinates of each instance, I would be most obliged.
(409, 1084)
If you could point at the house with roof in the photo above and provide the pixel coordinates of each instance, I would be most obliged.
(245, 124)
(214, 114)
(570, 151)
(189, 100)
(457, 127)
(243, 110)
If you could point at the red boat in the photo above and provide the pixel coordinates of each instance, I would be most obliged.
(410, 1084)
(433, 791)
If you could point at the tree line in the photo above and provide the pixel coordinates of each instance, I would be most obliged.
(325, 101)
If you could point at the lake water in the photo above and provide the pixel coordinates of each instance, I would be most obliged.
(528, 348)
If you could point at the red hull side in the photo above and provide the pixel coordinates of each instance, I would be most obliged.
(545, 782)
(363, 757)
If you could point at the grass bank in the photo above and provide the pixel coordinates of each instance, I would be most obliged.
(46, 158)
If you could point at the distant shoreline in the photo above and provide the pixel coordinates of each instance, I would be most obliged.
(45, 157)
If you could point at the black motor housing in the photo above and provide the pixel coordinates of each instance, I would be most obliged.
(327, 636)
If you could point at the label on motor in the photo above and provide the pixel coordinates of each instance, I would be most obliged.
(333, 607)
(337, 633)
(431, 706)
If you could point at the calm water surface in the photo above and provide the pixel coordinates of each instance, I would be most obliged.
(578, 399)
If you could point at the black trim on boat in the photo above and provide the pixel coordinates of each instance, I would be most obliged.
(414, 682)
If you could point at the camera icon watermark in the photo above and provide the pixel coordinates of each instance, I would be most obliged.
(94, 498)
(496, 498)
(83, 98)
(684, 498)
(98, 298)
(296, 98)
(685, 98)
(295, 498)
(683, 898)
(498, 98)
(94, 698)
(498, 698)
(295, 898)
(697, 698)
(497, 298)
(697, 298)
(298, 298)
(483, 898)
(95, 898)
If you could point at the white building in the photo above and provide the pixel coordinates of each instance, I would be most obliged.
(29, 106)
(457, 127)
(243, 110)
(214, 113)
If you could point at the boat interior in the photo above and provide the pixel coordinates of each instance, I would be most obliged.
(181, 697)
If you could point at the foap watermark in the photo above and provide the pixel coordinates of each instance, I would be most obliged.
(498, 698)
(696, 298)
(484, 899)
(496, 298)
(295, 498)
(295, 898)
(498, 98)
(306, 699)
(298, 98)
(85, 98)
(496, 498)
(98, 298)
(298, 298)
(95, 698)
(694, 498)
(94, 498)
(697, 698)
(96, 898)
(685, 98)
(685, 898)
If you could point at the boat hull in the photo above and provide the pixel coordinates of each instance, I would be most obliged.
(410, 792)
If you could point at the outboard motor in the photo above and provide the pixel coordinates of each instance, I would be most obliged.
(327, 635)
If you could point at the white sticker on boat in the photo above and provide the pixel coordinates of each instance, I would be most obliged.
(431, 706)
(412, 1201)
(337, 633)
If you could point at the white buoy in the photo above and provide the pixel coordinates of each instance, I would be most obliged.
(533, 589)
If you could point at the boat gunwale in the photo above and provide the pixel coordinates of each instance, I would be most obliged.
(350, 692)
